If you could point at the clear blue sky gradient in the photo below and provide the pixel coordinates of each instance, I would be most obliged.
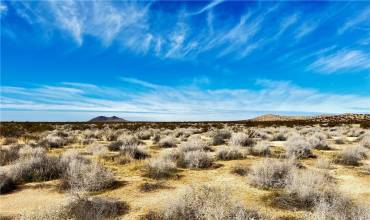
(196, 60)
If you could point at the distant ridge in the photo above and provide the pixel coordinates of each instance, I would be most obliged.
(342, 118)
(107, 119)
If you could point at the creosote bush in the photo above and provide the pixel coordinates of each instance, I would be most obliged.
(270, 173)
(206, 202)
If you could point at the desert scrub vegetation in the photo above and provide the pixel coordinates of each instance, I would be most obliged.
(262, 148)
(193, 144)
(125, 140)
(167, 142)
(81, 208)
(323, 163)
(7, 183)
(351, 156)
(219, 136)
(241, 139)
(205, 202)
(297, 147)
(318, 141)
(80, 174)
(9, 153)
(195, 159)
(230, 153)
(365, 141)
(270, 173)
(160, 167)
(240, 169)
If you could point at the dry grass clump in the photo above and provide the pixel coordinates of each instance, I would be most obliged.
(351, 156)
(240, 170)
(82, 208)
(160, 167)
(84, 175)
(219, 136)
(365, 141)
(195, 159)
(270, 173)
(241, 139)
(167, 142)
(34, 165)
(9, 153)
(261, 149)
(150, 187)
(230, 153)
(318, 141)
(297, 147)
(206, 202)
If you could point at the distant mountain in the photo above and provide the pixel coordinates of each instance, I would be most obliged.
(107, 119)
(342, 118)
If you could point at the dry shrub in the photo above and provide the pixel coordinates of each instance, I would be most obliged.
(338, 208)
(7, 183)
(193, 144)
(85, 175)
(8, 154)
(270, 173)
(144, 134)
(241, 139)
(323, 163)
(219, 136)
(206, 202)
(298, 147)
(156, 138)
(195, 159)
(304, 187)
(318, 141)
(340, 140)
(150, 187)
(160, 167)
(134, 151)
(240, 170)
(81, 208)
(167, 142)
(34, 165)
(10, 140)
(351, 156)
(123, 141)
(365, 141)
(53, 140)
(261, 149)
(230, 153)
(97, 149)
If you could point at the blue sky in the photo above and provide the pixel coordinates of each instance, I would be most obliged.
(198, 60)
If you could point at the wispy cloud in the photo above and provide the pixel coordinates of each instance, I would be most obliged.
(362, 17)
(207, 7)
(342, 60)
(181, 102)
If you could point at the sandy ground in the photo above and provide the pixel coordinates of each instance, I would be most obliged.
(351, 180)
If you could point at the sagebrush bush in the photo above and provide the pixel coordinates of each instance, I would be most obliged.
(85, 175)
(207, 202)
(54, 141)
(134, 151)
(351, 156)
(241, 139)
(97, 149)
(167, 142)
(160, 168)
(323, 163)
(270, 173)
(297, 147)
(195, 159)
(318, 141)
(144, 134)
(126, 140)
(230, 153)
